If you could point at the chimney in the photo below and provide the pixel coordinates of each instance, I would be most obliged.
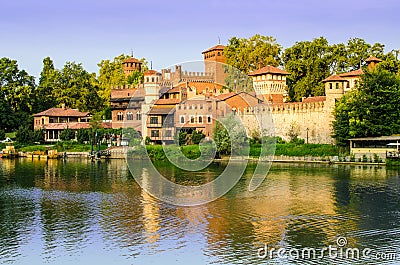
(63, 106)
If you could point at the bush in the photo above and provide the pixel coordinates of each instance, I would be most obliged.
(197, 136)
(38, 136)
(83, 135)
(24, 135)
(67, 134)
(2, 134)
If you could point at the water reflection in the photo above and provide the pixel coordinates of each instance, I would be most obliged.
(77, 212)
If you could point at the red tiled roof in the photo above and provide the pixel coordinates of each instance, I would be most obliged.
(269, 69)
(314, 99)
(73, 125)
(132, 60)
(61, 112)
(216, 47)
(174, 90)
(372, 59)
(273, 98)
(160, 111)
(150, 72)
(226, 95)
(357, 72)
(333, 78)
(167, 101)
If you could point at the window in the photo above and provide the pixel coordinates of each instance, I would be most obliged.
(330, 85)
(191, 117)
(155, 133)
(138, 116)
(182, 118)
(168, 133)
(200, 119)
(153, 120)
(337, 85)
(152, 79)
(219, 53)
(129, 116)
(120, 116)
(209, 120)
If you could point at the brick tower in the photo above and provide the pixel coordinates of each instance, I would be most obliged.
(214, 60)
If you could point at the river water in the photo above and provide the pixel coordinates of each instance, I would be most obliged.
(83, 212)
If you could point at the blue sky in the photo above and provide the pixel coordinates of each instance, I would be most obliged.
(169, 32)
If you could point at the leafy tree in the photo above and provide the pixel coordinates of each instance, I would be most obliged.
(17, 90)
(308, 65)
(197, 136)
(231, 137)
(2, 134)
(182, 138)
(48, 83)
(371, 109)
(24, 135)
(67, 134)
(38, 136)
(251, 54)
(83, 135)
(78, 89)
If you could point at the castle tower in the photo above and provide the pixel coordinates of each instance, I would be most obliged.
(130, 65)
(270, 82)
(151, 84)
(372, 62)
(213, 60)
(334, 90)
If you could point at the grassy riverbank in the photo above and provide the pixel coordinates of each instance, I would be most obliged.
(67, 146)
(156, 152)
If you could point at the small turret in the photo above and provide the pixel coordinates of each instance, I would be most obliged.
(372, 62)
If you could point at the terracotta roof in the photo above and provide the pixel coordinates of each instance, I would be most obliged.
(151, 72)
(167, 101)
(226, 95)
(216, 47)
(357, 72)
(314, 99)
(132, 60)
(61, 112)
(333, 78)
(273, 98)
(73, 125)
(162, 111)
(372, 59)
(174, 90)
(269, 69)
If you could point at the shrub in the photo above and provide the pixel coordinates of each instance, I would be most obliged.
(197, 136)
(24, 135)
(67, 134)
(2, 134)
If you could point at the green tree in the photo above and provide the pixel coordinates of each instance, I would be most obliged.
(371, 109)
(78, 89)
(48, 83)
(17, 89)
(38, 136)
(67, 134)
(308, 64)
(83, 135)
(2, 134)
(24, 135)
(250, 54)
(197, 136)
(229, 136)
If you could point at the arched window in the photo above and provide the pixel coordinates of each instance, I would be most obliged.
(200, 119)
(129, 116)
(120, 116)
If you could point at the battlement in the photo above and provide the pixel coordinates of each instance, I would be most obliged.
(126, 86)
(283, 108)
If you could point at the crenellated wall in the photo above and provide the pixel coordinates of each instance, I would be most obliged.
(296, 116)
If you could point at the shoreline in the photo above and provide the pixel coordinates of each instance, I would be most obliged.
(277, 159)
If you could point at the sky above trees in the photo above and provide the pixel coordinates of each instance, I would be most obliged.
(171, 32)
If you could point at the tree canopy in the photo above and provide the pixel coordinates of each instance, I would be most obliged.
(370, 110)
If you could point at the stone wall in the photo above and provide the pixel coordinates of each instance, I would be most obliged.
(298, 117)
